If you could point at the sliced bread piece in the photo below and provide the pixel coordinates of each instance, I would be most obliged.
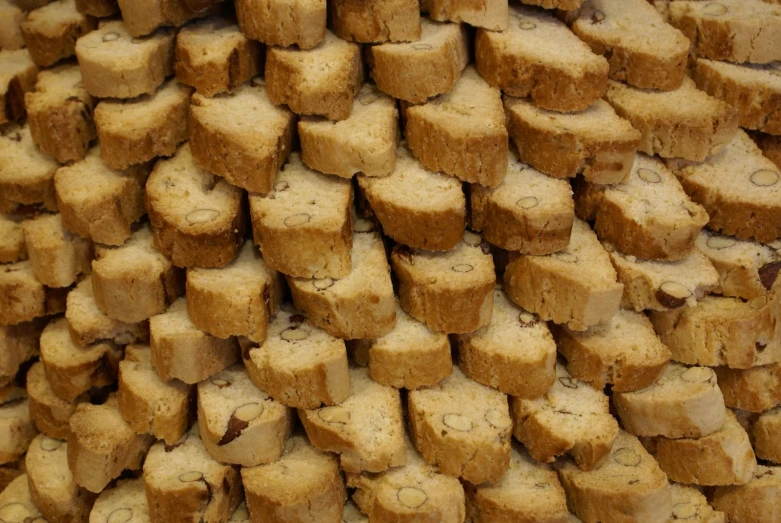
(283, 22)
(489, 14)
(756, 389)
(126, 501)
(26, 173)
(763, 429)
(56, 256)
(50, 413)
(17, 76)
(753, 502)
(144, 16)
(375, 21)
(51, 31)
(11, 18)
(23, 298)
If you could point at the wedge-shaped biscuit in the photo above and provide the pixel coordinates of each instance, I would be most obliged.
(462, 132)
(763, 430)
(11, 18)
(198, 220)
(213, 56)
(642, 50)
(60, 113)
(17, 430)
(684, 402)
(364, 143)
(514, 353)
(683, 123)
(298, 364)
(127, 500)
(450, 291)
(17, 76)
(489, 14)
(181, 351)
(184, 483)
(12, 246)
(537, 56)
(624, 352)
(756, 389)
(97, 8)
(462, 427)
(418, 70)
(366, 429)
(144, 16)
(50, 32)
(23, 298)
(282, 22)
(18, 343)
(241, 136)
(50, 413)
(576, 286)
(301, 238)
(629, 486)
(690, 503)
(16, 503)
(26, 173)
(375, 21)
(303, 485)
(294, 77)
(595, 142)
(648, 215)
(753, 502)
(770, 146)
(56, 256)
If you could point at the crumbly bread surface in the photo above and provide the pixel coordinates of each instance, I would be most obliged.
(50, 32)
(753, 502)
(375, 21)
(282, 22)
(56, 256)
(26, 173)
(756, 389)
(24, 298)
(144, 16)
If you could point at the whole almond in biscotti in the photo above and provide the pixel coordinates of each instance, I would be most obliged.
(375, 21)
(241, 136)
(690, 503)
(12, 246)
(756, 389)
(50, 32)
(23, 298)
(97, 8)
(11, 18)
(283, 22)
(17, 429)
(144, 16)
(753, 502)
(462, 427)
(57, 256)
(489, 14)
(18, 77)
(127, 500)
(15, 501)
(198, 219)
(26, 173)
(18, 343)
(770, 146)
(50, 413)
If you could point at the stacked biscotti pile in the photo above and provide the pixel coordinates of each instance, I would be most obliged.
(390, 261)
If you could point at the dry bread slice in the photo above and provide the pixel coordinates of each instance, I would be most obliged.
(283, 22)
(770, 146)
(375, 21)
(298, 237)
(144, 16)
(641, 48)
(462, 427)
(26, 173)
(198, 220)
(690, 503)
(18, 343)
(57, 257)
(756, 389)
(366, 429)
(50, 413)
(11, 18)
(305, 484)
(489, 14)
(539, 57)
(59, 112)
(125, 501)
(97, 8)
(241, 136)
(17, 429)
(295, 77)
(12, 247)
(685, 402)
(23, 298)
(753, 502)
(50, 32)
(683, 123)
(416, 71)
(763, 430)
(575, 286)
(298, 364)
(594, 142)
(16, 505)
(630, 486)
(17, 76)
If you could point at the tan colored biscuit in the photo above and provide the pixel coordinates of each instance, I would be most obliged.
(50, 32)
(489, 14)
(12, 246)
(17, 429)
(23, 298)
(282, 22)
(763, 429)
(18, 343)
(56, 256)
(375, 21)
(50, 413)
(127, 500)
(690, 503)
(16, 503)
(144, 16)
(26, 173)
(754, 502)
(756, 389)
(17, 76)
(11, 18)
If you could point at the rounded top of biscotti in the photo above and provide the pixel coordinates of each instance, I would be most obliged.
(732, 251)
(408, 332)
(47, 462)
(319, 62)
(137, 373)
(574, 405)
(46, 231)
(247, 269)
(58, 84)
(184, 465)
(434, 36)
(51, 18)
(138, 250)
(16, 505)
(524, 188)
(678, 381)
(629, 334)
(690, 503)
(207, 40)
(21, 162)
(126, 502)
(174, 322)
(112, 43)
(734, 309)
(99, 427)
(58, 349)
(767, 76)
(141, 113)
(13, 63)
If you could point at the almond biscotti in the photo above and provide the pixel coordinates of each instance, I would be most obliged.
(17, 76)
(753, 502)
(375, 21)
(23, 298)
(763, 430)
(756, 389)
(127, 500)
(283, 23)
(11, 18)
(16, 503)
(51, 31)
(17, 430)
(18, 343)
(12, 247)
(57, 257)
(50, 413)
(488, 14)
(689, 502)
(144, 16)
(26, 173)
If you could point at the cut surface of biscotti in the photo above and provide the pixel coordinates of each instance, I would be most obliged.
(50, 413)
(197, 219)
(303, 226)
(648, 215)
(450, 291)
(685, 402)
(213, 56)
(23, 298)
(575, 286)
(375, 21)
(50, 32)
(11, 18)
(17, 430)
(303, 485)
(364, 143)
(145, 62)
(181, 351)
(756, 389)
(56, 256)
(488, 14)
(127, 500)
(684, 123)
(12, 247)
(241, 136)
(690, 503)
(416, 71)
(17, 76)
(18, 343)
(144, 16)
(763, 429)
(462, 427)
(16, 503)
(366, 429)
(295, 77)
(283, 22)
(60, 113)
(298, 364)
(26, 173)
(537, 56)
(594, 142)
(641, 48)
(97, 8)
(753, 502)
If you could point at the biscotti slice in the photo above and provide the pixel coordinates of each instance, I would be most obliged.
(125, 502)
(17, 429)
(690, 503)
(537, 56)
(144, 16)
(23, 298)
(683, 123)
(648, 215)
(298, 364)
(51, 483)
(734, 30)
(770, 146)
(575, 286)
(51, 31)
(629, 486)
(756, 389)
(295, 77)
(17, 76)
(198, 220)
(595, 142)
(97, 8)
(754, 502)
(101, 445)
(12, 247)
(305, 484)
(184, 483)
(740, 189)
(241, 136)
(462, 427)
(364, 143)
(462, 132)
(16, 505)
(283, 22)
(26, 173)
(375, 21)
(450, 291)
(56, 256)
(488, 14)
(213, 56)
(641, 48)
(685, 402)
(11, 18)
(366, 429)
(181, 351)
(18, 343)
(50, 413)
(303, 226)
(434, 223)
(114, 64)
(763, 430)
(418, 70)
